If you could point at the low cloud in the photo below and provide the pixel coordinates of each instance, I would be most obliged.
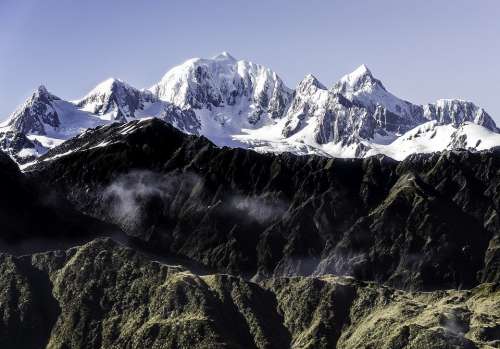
(260, 208)
(139, 200)
(133, 194)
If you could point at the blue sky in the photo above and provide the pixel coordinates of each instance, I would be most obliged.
(421, 50)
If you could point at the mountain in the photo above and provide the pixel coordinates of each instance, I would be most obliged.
(427, 222)
(358, 117)
(41, 123)
(321, 252)
(391, 113)
(434, 137)
(103, 295)
(115, 100)
(45, 114)
(238, 103)
(45, 120)
(234, 93)
(19, 147)
(400, 116)
(140, 220)
(320, 117)
(456, 112)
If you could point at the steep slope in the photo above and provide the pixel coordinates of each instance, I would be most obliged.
(34, 216)
(47, 115)
(19, 147)
(40, 123)
(116, 100)
(313, 104)
(227, 94)
(101, 295)
(428, 222)
(390, 112)
(457, 112)
(37, 113)
(396, 115)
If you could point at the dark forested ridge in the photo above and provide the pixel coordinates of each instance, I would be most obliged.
(34, 217)
(430, 221)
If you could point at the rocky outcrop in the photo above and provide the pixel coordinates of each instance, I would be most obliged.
(428, 222)
(36, 113)
(20, 147)
(332, 117)
(102, 295)
(363, 88)
(456, 112)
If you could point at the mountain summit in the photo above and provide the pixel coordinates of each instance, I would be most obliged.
(238, 103)
(224, 56)
(116, 100)
(230, 92)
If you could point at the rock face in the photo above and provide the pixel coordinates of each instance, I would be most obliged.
(331, 117)
(36, 113)
(20, 147)
(243, 91)
(395, 115)
(428, 222)
(101, 295)
(116, 98)
(391, 113)
(456, 112)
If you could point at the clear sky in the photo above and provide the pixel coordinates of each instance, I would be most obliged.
(421, 50)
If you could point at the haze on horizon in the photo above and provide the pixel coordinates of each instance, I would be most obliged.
(420, 51)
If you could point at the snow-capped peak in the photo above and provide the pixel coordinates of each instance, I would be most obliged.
(359, 73)
(456, 112)
(392, 113)
(224, 55)
(114, 99)
(233, 93)
(360, 79)
(308, 81)
(106, 87)
(36, 111)
(107, 84)
(41, 90)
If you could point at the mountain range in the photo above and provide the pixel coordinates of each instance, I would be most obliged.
(430, 221)
(221, 247)
(237, 103)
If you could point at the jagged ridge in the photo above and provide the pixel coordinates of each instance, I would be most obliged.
(241, 104)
